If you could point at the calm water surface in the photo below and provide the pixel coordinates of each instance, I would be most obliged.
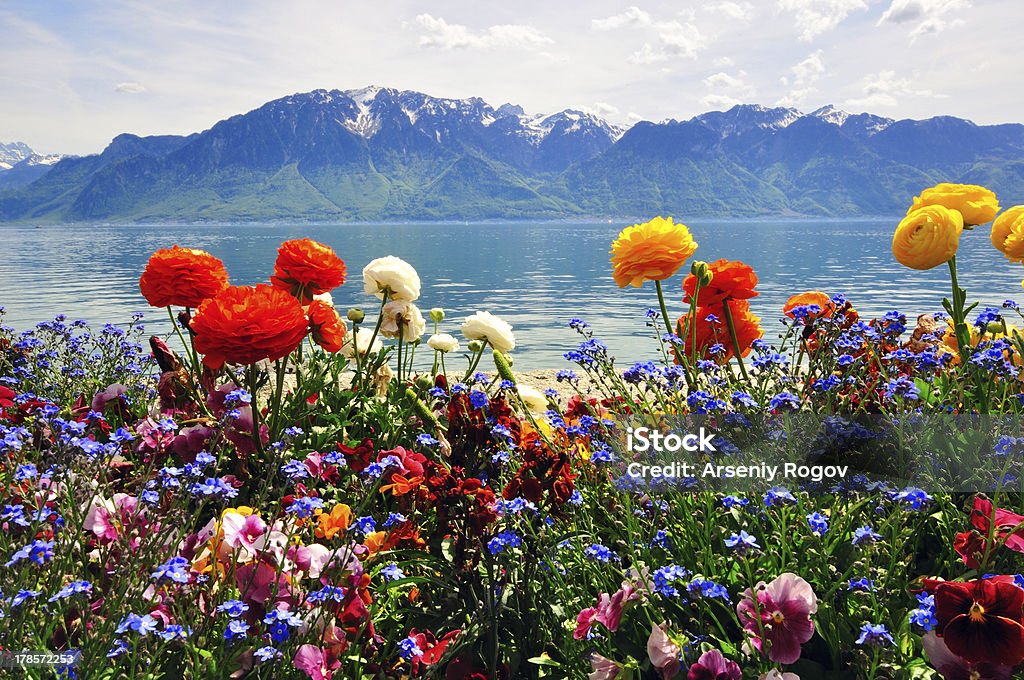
(535, 275)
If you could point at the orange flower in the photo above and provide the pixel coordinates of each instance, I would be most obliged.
(329, 525)
(182, 277)
(731, 280)
(374, 541)
(716, 331)
(245, 324)
(814, 297)
(326, 326)
(401, 485)
(652, 251)
(306, 268)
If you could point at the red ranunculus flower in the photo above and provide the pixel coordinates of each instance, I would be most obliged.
(731, 280)
(814, 297)
(182, 277)
(326, 326)
(246, 324)
(306, 268)
(981, 621)
(712, 330)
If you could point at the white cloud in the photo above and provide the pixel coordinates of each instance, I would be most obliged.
(722, 62)
(605, 109)
(130, 88)
(809, 70)
(886, 89)
(737, 11)
(441, 34)
(720, 81)
(633, 16)
(726, 90)
(675, 39)
(795, 98)
(928, 16)
(719, 101)
(814, 17)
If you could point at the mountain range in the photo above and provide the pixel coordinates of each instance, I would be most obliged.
(20, 165)
(384, 154)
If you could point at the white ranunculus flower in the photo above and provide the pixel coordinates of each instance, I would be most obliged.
(362, 339)
(394, 275)
(533, 398)
(443, 342)
(412, 323)
(486, 326)
(325, 297)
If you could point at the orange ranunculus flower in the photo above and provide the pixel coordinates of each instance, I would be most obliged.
(306, 268)
(333, 523)
(245, 324)
(813, 297)
(326, 326)
(182, 277)
(652, 251)
(712, 329)
(731, 280)
(927, 237)
(1008, 233)
(976, 204)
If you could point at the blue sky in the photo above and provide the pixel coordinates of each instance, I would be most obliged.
(76, 74)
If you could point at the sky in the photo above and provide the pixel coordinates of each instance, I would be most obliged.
(75, 74)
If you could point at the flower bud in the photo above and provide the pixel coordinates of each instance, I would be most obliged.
(702, 271)
(437, 315)
(475, 346)
(356, 315)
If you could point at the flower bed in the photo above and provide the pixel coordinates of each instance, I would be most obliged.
(850, 509)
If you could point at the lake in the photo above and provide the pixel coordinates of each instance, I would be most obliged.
(534, 275)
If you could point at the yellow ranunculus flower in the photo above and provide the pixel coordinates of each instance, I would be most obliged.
(927, 237)
(1008, 233)
(977, 204)
(652, 251)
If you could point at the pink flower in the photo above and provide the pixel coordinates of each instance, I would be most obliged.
(258, 583)
(244, 531)
(664, 653)
(191, 440)
(782, 615)
(713, 666)
(313, 558)
(776, 674)
(315, 662)
(952, 667)
(603, 669)
(112, 393)
(107, 519)
(608, 611)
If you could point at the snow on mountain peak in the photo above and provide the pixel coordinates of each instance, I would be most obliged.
(831, 114)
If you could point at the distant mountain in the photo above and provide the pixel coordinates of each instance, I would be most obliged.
(20, 165)
(378, 153)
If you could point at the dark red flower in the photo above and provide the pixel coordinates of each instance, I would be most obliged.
(6, 397)
(970, 546)
(358, 456)
(1008, 525)
(981, 621)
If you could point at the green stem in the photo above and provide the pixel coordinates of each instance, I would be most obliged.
(963, 335)
(664, 307)
(735, 340)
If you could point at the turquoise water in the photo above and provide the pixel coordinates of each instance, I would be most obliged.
(534, 275)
